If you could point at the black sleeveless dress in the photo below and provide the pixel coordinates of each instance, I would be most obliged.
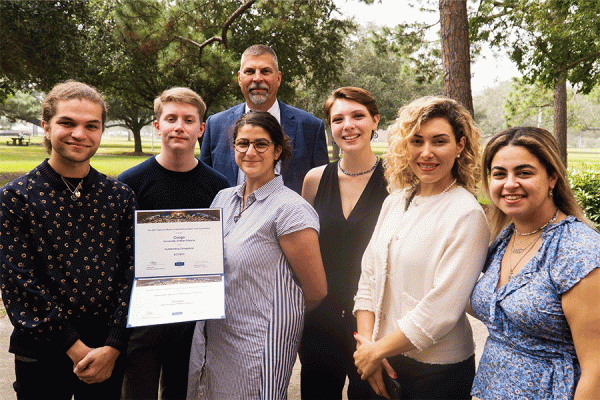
(328, 344)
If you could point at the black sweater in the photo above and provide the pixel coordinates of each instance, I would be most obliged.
(66, 266)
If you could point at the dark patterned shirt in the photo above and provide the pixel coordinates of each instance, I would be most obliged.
(66, 265)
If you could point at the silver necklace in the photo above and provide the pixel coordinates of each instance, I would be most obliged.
(519, 250)
(510, 265)
(541, 227)
(359, 173)
(75, 192)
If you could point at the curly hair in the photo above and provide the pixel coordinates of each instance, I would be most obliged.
(542, 145)
(466, 169)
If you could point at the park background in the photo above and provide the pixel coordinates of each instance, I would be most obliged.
(525, 62)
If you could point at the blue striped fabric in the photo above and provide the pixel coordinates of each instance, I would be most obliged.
(250, 354)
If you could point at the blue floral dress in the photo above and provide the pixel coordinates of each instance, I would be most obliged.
(529, 353)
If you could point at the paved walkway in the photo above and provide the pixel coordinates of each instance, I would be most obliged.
(7, 366)
(7, 375)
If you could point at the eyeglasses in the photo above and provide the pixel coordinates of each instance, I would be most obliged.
(260, 145)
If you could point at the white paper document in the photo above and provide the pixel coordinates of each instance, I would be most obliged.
(178, 267)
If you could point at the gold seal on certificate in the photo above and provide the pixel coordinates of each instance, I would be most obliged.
(178, 267)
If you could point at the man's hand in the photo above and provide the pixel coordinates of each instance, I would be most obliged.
(97, 365)
(77, 352)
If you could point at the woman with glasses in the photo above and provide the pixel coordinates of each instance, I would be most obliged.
(347, 194)
(425, 255)
(273, 272)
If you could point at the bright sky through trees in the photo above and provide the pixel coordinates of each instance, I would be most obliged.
(487, 70)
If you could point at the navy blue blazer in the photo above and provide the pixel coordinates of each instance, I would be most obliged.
(306, 133)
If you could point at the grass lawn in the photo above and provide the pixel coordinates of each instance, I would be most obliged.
(114, 156)
(584, 158)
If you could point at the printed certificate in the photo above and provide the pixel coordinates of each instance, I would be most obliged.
(178, 267)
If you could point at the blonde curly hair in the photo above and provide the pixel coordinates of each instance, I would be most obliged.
(466, 169)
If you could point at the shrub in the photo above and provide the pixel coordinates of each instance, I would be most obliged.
(586, 185)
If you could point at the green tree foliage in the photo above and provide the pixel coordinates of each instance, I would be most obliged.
(396, 68)
(130, 116)
(134, 49)
(22, 107)
(489, 108)
(551, 42)
(41, 43)
(546, 39)
(516, 103)
(528, 104)
(198, 43)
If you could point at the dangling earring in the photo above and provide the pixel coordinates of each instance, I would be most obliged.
(374, 135)
(550, 193)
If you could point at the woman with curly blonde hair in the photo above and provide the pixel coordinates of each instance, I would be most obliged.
(425, 255)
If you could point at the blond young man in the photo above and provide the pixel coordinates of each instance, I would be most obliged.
(173, 179)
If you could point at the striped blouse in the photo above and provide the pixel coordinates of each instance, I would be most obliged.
(250, 354)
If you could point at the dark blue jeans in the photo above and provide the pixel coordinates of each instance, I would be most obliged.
(54, 379)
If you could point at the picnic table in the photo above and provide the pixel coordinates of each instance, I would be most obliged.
(19, 141)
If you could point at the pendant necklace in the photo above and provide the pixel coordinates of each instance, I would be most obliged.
(359, 173)
(510, 264)
(76, 190)
(518, 250)
(250, 201)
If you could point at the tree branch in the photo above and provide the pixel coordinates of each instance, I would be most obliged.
(224, 29)
(574, 63)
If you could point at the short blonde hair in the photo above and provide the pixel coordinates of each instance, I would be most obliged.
(466, 169)
(179, 95)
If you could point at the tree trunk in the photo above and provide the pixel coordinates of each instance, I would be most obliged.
(454, 31)
(137, 138)
(335, 150)
(560, 117)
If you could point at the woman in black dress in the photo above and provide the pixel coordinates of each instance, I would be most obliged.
(347, 195)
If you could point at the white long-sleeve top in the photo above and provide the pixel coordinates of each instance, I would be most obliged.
(419, 269)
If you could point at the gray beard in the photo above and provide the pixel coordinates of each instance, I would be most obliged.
(257, 98)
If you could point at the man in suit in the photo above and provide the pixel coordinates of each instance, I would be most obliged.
(259, 78)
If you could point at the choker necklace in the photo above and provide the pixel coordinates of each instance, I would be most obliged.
(360, 173)
(540, 228)
(75, 192)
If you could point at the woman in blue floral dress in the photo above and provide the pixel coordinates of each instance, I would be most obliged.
(539, 295)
